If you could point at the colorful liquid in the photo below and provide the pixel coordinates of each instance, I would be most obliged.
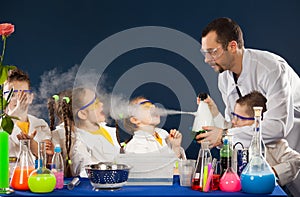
(41, 183)
(196, 184)
(258, 184)
(59, 179)
(4, 161)
(19, 180)
(224, 164)
(215, 182)
(230, 182)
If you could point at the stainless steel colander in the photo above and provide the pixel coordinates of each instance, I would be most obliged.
(107, 175)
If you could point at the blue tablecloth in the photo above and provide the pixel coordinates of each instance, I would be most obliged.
(85, 189)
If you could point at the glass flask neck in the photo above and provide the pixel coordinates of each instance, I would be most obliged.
(257, 135)
(42, 158)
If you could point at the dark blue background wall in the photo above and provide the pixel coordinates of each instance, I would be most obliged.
(59, 34)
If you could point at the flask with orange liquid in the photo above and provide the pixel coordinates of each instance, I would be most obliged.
(24, 166)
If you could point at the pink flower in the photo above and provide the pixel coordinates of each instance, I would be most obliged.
(6, 29)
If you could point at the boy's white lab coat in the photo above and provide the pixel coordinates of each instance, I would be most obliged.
(145, 142)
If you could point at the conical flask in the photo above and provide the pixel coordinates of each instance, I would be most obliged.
(41, 180)
(24, 166)
(201, 172)
(203, 115)
(257, 177)
(230, 180)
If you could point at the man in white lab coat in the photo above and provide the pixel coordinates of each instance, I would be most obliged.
(244, 70)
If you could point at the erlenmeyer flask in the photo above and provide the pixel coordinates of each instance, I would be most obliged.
(230, 181)
(257, 172)
(201, 172)
(203, 115)
(24, 166)
(41, 180)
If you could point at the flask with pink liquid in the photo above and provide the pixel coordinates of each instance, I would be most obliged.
(230, 181)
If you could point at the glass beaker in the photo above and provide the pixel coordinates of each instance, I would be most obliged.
(24, 166)
(41, 180)
(257, 172)
(201, 172)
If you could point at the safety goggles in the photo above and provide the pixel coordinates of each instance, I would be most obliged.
(234, 115)
(146, 104)
(212, 54)
(93, 104)
(16, 91)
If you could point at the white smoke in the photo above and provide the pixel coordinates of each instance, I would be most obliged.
(52, 82)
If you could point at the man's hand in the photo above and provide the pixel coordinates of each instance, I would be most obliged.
(213, 136)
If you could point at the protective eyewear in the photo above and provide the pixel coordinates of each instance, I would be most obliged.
(146, 104)
(93, 104)
(16, 91)
(234, 115)
(212, 54)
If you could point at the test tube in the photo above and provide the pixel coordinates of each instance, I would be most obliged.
(73, 183)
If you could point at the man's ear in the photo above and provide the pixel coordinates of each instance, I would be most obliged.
(232, 46)
(82, 114)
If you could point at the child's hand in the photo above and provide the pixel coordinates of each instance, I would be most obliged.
(22, 102)
(49, 147)
(33, 143)
(175, 138)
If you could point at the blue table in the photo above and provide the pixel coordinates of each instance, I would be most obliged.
(85, 189)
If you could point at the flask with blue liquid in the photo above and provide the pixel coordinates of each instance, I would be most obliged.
(257, 177)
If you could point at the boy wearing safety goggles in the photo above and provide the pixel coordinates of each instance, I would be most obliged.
(26, 126)
(146, 136)
(284, 161)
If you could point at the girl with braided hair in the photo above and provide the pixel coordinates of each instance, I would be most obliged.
(60, 109)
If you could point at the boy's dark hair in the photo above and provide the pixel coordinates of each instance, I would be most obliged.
(18, 75)
(227, 30)
(129, 126)
(251, 100)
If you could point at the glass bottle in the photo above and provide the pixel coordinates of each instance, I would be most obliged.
(41, 180)
(4, 163)
(225, 155)
(58, 167)
(203, 116)
(201, 172)
(257, 172)
(230, 181)
(24, 166)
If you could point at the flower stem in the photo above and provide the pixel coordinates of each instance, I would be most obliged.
(3, 50)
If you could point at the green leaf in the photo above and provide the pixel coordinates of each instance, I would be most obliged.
(4, 102)
(7, 124)
(4, 72)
